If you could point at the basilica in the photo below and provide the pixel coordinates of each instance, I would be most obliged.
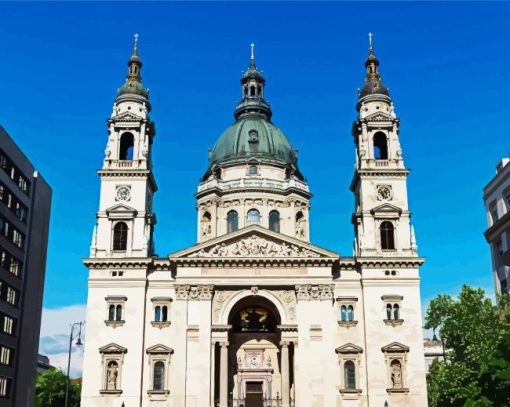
(253, 314)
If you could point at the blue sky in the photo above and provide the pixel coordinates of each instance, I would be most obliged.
(446, 65)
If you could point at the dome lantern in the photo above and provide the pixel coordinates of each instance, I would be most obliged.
(252, 91)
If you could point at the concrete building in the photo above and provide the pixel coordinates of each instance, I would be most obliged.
(254, 314)
(496, 196)
(24, 221)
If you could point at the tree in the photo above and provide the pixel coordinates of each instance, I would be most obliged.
(50, 390)
(476, 334)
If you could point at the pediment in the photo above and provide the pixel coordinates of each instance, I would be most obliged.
(255, 242)
(386, 208)
(127, 117)
(348, 348)
(379, 117)
(121, 211)
(112, 348)
(395, 347)
(161, 349)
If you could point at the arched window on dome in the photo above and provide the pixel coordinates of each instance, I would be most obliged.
(120, 232)
(253, 217)
(387, 236)
(127, 142)
(232, 221)
(252, 90)
(274, 221)
(380, 146)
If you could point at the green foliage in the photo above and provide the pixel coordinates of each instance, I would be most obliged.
(50, 390)
(476, 334)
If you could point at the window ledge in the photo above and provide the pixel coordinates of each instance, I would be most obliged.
(347, 324)
(114, 324)
(350, 391)
(158, 392)
(394, 322)
(398, 391)
(160, 324)
(112, 392)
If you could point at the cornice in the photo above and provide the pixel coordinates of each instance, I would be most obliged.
(253, 262)
(121, 262)
(393, 262)
(129, 173)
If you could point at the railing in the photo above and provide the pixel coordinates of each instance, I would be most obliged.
(381, 163)
(252, 183)
(125, 163)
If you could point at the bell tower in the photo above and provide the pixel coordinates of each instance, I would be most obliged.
(125, 220)
(381, 216)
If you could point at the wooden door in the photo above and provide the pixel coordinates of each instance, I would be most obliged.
(254, 395)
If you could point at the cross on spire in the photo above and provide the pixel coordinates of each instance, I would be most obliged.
(136, 40)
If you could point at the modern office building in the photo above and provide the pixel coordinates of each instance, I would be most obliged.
(24, 222)
(496, 196)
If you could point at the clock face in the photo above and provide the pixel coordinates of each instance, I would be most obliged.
(123, 194)
(384, 193)
(254, 360)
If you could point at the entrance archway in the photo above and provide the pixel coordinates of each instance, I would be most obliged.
(259, 369)
(254, 365)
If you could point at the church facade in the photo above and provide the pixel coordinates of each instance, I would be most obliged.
(254, 314)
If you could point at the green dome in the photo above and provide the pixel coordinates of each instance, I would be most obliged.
(253, 137)
(133, 87)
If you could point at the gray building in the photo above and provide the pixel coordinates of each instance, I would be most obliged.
(24, 221)
(496, 196)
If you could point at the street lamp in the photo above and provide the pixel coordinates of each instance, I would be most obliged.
(78, 343)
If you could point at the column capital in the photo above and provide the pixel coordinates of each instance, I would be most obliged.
(224, 344)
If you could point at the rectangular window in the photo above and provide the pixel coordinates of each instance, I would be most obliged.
(14, 173)
(5, 385)
(12, 297)
(5, 355)
(8, 325)
(15, 266)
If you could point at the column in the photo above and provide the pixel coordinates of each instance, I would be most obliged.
(285, 375)
(224, 374)
(213, 372)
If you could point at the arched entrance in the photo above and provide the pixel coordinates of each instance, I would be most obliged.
(259, 369)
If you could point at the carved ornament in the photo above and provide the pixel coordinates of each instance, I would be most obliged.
(255, 246)
(194, 292)
(314, 292)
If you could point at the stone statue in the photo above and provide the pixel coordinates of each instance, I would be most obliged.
(206, 227)
(300, 227)
(396, 375)
(112, 374)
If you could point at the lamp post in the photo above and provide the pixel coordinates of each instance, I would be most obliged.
(78, 343)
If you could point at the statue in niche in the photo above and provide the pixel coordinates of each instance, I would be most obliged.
(112, 374)
(300, 225)
(396, 374)
(206, 225)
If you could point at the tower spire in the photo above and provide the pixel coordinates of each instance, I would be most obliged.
(373, 84)
(133, 83)
(252, 58)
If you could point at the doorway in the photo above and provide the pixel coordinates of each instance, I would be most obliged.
(254, 394)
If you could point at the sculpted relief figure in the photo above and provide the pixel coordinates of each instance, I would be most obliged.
(255, 246)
